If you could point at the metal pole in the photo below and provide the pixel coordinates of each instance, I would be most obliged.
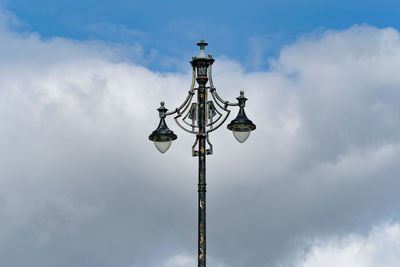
(201, 98)
(201, 64)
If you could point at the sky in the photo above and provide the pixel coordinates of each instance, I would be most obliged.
(250, 32)
(316, 184)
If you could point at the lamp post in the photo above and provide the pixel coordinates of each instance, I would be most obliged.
(202, 117)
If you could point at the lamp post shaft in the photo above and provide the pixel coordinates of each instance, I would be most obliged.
(201, 98)
(202, 112)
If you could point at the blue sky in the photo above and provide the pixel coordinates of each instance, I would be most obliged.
(316, 184)
(241, 30)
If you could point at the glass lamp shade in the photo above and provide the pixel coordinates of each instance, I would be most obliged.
(163, 146)
(241, 136)
(241, 126)
(162, 136)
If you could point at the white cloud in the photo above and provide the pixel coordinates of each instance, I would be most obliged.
(379, 248)
(186, 260)
(180, 261)
(81, 185)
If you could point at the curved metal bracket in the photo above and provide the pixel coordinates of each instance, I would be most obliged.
(227, 111)
(182, 127)
(188, 98)
(183, 113)
(216, 97)
(209, 150)
(195, 153)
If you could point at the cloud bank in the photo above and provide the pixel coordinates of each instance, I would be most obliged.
(379, 248)
(80, 184)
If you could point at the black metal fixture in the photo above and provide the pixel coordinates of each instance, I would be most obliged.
(162, 136)
(202, 117)
(241, 126)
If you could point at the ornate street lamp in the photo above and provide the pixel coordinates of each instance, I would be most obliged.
(201, 118)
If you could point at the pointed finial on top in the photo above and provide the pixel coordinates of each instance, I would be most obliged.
(162, 109)
(202, 44)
